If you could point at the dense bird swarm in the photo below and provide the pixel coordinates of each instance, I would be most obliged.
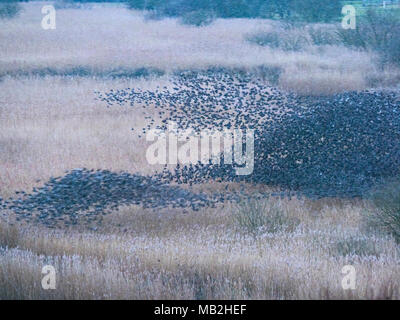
(86, 195)
(340, 145)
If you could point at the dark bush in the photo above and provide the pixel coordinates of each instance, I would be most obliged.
(269, 73)
(268, 39)
(9, 9)
(145, 4)
(378, 31)
(355, 246)
(317, 10)
(278, 9)
(392, 52)
(254, 217)
(386, 216)
(320, 36)
(292, 40)
(71, 4)
(198, 18)
(236, 8)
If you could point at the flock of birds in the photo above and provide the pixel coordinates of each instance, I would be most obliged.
(341, 145)
(84, 195)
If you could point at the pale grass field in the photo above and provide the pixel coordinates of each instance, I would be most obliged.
(115, 38)
(51, 124)
(199, 256)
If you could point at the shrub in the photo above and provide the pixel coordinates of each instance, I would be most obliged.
(355, 246)
(291, 40)
(9, 9)
(9, 235)
(71, 4)
(320, 36)
(386, 216)
(278, 9)
(269, 39)
(390, 53)
(269, 73)
(294, 41)
(316, 10)
(145, 4)
(198, 18)
(300, 10)
(255, 216)
(236, 8)
(294, 36)
(377, 31)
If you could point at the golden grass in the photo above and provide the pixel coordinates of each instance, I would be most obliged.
(198, 255)
(51, 124)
